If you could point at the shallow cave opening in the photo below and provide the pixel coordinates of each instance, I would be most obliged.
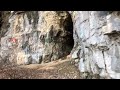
(68, 25)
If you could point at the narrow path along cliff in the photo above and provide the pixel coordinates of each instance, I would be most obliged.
(60, 69)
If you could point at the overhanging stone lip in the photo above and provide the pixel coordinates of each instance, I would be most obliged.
(113, 32)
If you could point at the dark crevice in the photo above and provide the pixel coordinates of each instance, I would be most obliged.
(33, 15)
(4, 15)
(68, 26)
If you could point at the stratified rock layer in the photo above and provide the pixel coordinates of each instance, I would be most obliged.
(97, 43)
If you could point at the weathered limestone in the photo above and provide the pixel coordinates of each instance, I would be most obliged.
(99, 38)
(36, 36)
(43, 36)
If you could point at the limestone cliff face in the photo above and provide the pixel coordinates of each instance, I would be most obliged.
(36, 36)
(97, 43)
(43, 36)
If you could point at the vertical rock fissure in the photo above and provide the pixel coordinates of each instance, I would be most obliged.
(69, 27)
(104, 61)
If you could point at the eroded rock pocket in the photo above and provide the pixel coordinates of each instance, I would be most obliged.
(42, 37)
(59, 40)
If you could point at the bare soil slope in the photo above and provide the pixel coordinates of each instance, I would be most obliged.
(61, 69)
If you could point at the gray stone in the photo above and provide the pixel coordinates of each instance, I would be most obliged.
(44, 36)
(99, 40)
(76, 60)
(74, 55)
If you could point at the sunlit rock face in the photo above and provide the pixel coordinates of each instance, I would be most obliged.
(97, 43)
(29, 37)
(36, 37)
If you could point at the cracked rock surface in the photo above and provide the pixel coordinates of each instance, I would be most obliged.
(35, 37)
(92, 38)
(97, 33)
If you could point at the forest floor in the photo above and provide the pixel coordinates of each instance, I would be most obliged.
(60, 69)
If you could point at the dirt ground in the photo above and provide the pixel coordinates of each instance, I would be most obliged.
(60, 69)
